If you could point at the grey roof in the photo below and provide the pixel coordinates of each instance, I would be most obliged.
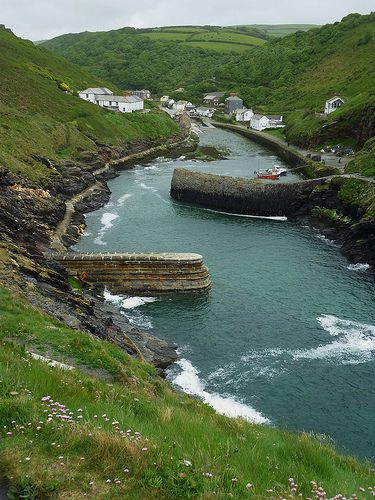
(257, 117)
(275, 117)
(335, 99)
(118, 98)
(233, 98)
(241, 110)
(97, 90)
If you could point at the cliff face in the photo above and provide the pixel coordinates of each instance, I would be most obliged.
(31, 211)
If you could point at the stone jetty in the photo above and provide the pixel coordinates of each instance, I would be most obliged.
(238, 195)
(140, 273)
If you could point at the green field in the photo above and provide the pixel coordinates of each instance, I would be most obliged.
(236, 40)
(127, 434)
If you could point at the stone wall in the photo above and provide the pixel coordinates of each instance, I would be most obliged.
(239, 195)
(140, 273)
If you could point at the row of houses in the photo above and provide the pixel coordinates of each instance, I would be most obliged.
(101, 96)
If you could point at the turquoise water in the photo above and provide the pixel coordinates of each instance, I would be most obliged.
(286, 336)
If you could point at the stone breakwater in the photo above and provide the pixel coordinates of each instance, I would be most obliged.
(140, 273)
(240, 195)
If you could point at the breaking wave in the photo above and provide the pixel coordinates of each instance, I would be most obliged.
(188, 380)
(106, 222)
(358, 267)
(122, 200)
(128, 306)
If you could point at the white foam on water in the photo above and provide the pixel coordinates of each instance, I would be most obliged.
(152, 167)
(112, 299)
(122, 200)
(106, 221)
(139, 320)
(355, 342)
(325, 239)
(188, 380)
(280, 218)
(127, 306)
(133, 302)
(273, 217)
(358, 267)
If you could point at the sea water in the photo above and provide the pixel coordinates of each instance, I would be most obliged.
(286, 336)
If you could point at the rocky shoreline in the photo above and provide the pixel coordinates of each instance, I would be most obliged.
(31, 212)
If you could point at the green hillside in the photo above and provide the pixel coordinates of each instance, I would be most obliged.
(293, 75)
(111, 428)
(161, 59)
(38, 114)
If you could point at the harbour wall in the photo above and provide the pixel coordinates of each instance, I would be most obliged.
(240, 195)
(139, 272)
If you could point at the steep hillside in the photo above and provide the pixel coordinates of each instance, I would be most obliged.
(109, 428)
(293, 75)
(39, 116)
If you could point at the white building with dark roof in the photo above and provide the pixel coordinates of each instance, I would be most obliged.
(333, 104)
(90, 93)
(262, 122)
(106, 99)
(243, 115)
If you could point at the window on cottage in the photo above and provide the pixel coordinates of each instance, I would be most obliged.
(87, 96)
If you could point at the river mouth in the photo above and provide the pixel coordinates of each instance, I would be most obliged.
(286, 334)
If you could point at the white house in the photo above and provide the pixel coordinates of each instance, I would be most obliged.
(90, 93)
(262, 122)
(124, 104)
(275, 121)
(333, 104)
(243, 115)
(128, 104)
(205, 112)
(182, 105)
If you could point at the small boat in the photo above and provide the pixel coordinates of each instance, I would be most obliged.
(268, 174)
(280, 170)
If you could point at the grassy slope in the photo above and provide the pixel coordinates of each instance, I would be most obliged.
(43, 456)
(38, 117)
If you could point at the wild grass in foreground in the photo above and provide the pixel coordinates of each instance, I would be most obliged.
(65, 434)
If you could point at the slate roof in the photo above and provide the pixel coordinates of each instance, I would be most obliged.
(335, 99)
(233, 98)
(275, 117)
(118, 98)
(97, 90)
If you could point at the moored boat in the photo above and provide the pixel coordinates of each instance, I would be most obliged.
(273, 175)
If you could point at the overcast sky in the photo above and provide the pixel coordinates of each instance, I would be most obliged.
(44, 19)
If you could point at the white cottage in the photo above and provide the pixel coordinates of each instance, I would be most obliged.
(259, 122)
(262, 122)
(90, 93)
(244, 115)
(333, 104)
(182, 105)
(124, 104)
